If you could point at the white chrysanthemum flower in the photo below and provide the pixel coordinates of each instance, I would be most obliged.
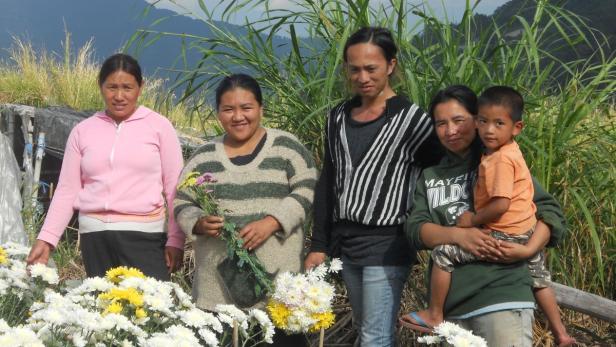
(457, 336)
(194, 318)
(161, 303)
(184, 299)
(45, 273)
(182, 336)
(15, 249)
(447, 329)
(209, 337)
(159, 340)
(3, 325)
(232, 311)
(115, 321)
(429, 339)
(317, 273)
(335, 265)
(127, 343)
(78, 340)
(264, 321)
(20, 336)
(225, 318)
(98, 284)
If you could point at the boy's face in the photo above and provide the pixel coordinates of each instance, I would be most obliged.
(495, 126)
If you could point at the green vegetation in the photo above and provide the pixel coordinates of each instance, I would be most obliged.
(570, 138)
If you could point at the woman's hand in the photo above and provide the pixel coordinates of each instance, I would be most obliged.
(509, 252)
(255, 233)
(174, 258)
(208, 225)
(314, 259)
(39, 253)
(476, 241)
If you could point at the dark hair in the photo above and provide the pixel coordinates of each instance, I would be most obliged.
(239, 80)
(468, 99)
(504, 96)
(120, 62)
(460, 93)
(380, 37)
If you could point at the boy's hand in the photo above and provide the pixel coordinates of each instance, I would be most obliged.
(465, 220)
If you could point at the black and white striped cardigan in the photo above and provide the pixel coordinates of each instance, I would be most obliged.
(377, 190)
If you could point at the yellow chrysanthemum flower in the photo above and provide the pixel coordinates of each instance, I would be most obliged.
(132, 295)
(189, 181)
(3, 257)
(117, 274)
(324, 320)
(140, 313)
(279, 313)
(114, 307)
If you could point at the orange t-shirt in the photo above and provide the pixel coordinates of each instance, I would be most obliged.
(504, 174)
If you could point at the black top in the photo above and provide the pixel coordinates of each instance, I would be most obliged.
(246, 159)
(363, 244)
(403, 131)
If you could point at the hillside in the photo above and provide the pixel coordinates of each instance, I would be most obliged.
(110, 23)
(598, 14)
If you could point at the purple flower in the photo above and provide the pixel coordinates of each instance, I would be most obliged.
(205, 178)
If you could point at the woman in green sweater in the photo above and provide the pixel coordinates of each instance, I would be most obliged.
(492, 298)
(265, 183)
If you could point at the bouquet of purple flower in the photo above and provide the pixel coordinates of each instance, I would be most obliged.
(201, 185)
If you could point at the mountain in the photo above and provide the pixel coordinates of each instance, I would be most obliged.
(598, 14)
(110, 23)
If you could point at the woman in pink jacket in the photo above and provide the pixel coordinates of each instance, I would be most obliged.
(119, 168)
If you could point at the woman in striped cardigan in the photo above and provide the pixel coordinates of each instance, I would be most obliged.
(265, 180)
(375, 145)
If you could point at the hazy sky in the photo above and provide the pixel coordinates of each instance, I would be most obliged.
(453, 8)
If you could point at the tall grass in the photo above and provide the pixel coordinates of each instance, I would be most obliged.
(569, 141)
(69, 78)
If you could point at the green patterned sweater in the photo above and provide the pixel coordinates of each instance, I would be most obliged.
(279, 182)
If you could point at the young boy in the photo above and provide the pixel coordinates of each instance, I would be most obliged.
(503, 203)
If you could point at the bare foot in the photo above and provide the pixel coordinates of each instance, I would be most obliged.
(565, 340)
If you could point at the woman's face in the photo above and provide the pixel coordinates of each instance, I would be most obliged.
(455, 126)
(368, 69)
(240, 114)
(120, 91)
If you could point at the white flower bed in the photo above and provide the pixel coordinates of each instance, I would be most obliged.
(123, 309)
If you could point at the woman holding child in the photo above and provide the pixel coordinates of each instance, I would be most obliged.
(494, 299)
(375, 145)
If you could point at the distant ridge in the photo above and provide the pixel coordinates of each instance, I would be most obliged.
(109, 22)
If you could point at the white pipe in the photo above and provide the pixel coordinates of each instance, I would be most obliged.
(38, 160)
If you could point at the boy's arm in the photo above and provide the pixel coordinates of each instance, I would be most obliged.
(492, 211)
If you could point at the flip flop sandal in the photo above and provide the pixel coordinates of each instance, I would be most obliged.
(420, 324)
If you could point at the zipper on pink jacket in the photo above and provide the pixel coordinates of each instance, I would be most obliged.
(112, 154)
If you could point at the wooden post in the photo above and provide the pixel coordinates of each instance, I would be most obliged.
(321, 337)
(580, 301)
(236, 339)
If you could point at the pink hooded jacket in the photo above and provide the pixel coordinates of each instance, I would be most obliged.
(117, 169)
